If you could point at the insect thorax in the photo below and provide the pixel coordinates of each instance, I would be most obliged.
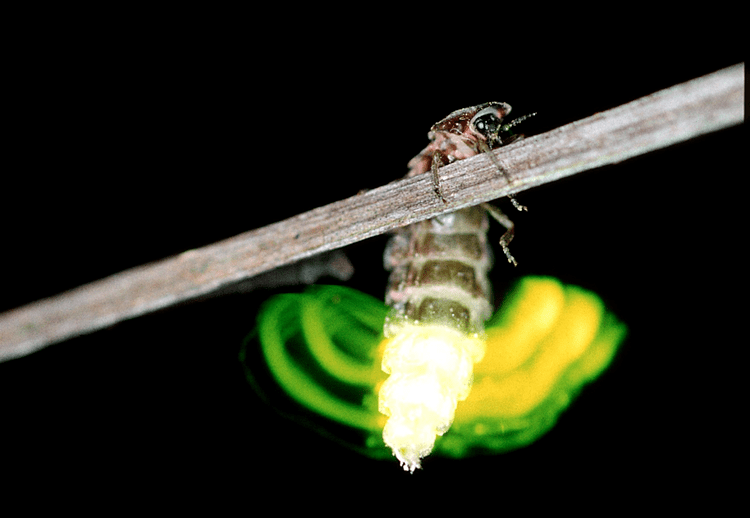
(439, 273)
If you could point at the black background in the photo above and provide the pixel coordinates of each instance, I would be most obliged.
(137, 143)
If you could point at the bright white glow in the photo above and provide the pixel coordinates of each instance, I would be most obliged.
(430, 370)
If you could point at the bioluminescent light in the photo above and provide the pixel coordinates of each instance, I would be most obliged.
(431, 370)
(324, 348)
(546, 343)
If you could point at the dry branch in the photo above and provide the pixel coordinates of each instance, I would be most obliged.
(676, 114)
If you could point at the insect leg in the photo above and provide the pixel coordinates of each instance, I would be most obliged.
(486, 149)
(437, 161)
(505, 221)
(516, 204)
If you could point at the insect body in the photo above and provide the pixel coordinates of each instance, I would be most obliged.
(439, 293)
(440, 266)
(325, 347)
(439, 272)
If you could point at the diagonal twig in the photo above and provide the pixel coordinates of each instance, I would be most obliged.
(679, 113)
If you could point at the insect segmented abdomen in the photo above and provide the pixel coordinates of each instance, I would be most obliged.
(439, 297)
(439, 273)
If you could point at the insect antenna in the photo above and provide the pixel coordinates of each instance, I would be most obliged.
(515, 122)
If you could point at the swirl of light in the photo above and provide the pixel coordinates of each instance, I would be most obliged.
(325, 349)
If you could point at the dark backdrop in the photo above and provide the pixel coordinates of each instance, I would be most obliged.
(138, 147)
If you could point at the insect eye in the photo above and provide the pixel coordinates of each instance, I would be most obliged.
(486, 123)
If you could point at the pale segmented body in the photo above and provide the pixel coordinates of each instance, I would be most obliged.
(439, 273)
(439, 297)
(439, 294)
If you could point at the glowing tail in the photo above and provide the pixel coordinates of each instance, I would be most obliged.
(430, 370)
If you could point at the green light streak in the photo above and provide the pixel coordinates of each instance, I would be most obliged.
(275, 327)
(548, 341)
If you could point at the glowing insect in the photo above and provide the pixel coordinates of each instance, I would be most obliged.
(440, 293)
(545, 344)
